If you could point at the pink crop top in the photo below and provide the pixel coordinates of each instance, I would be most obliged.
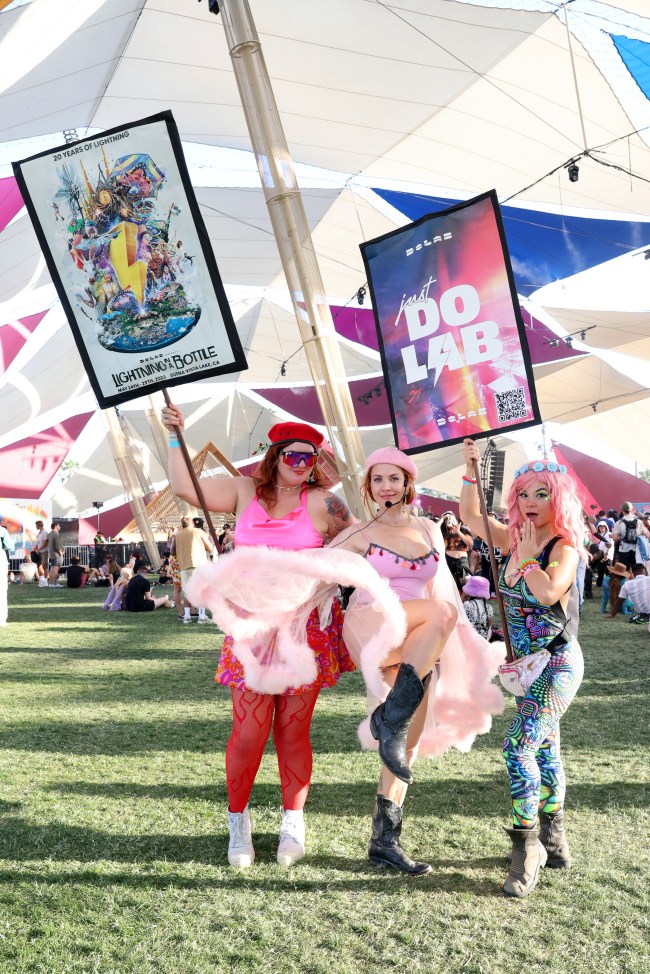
(408, 577)
(294, 531)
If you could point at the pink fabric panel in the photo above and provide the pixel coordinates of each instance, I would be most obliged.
(10, 201)
(27, 467)
(13, 337)
(112, 523)
(611, 486)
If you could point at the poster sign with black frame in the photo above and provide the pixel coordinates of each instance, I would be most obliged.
(451, 336)
(130, 257)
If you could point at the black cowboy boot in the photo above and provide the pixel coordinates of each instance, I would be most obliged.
(553, 838)
(389, 723)
(528, 857)
(384, 848)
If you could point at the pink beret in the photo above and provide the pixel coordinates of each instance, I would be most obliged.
(390, 454)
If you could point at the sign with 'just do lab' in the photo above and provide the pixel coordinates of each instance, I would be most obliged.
(451, 337)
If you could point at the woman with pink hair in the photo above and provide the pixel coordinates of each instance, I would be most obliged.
(433, 690)
(543, 547)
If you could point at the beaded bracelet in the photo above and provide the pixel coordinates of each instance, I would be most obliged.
(468, 481)
(174, 442)
(531, 567)
(528, 561)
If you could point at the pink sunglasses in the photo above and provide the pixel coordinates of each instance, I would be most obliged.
(293, 458)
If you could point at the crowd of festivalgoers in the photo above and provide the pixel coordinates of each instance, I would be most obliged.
(616, 571)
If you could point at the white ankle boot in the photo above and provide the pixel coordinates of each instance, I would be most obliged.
(240, 848)
(292, 837)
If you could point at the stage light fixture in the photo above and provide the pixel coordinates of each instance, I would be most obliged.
(361, 294)
(554, 343)
(574, 172)
(568, 341)
(283, 368)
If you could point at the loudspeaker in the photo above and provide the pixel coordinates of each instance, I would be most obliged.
(494, 482)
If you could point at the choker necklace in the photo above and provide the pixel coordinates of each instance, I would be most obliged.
(399, 523)
(280, 487)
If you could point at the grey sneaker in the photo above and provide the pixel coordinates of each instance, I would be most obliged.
(292, 837)
(240, 848)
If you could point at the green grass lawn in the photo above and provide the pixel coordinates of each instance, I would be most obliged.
(113, 804)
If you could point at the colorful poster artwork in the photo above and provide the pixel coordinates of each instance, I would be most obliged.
(451, 336)
(20, 515)
(128, 252)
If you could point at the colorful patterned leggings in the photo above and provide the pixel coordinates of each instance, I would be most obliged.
(532, 745)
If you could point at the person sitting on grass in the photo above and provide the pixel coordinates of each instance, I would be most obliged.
(107, 574)
(77, 574)
(637, 591)
(28, 569)
(115, 598)
(164, 572)
(138, 593)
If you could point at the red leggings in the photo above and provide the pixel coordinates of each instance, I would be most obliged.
(253, 714)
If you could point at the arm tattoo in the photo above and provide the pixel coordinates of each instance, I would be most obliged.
(337, 510)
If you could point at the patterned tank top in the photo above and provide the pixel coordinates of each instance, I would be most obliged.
(532, 625)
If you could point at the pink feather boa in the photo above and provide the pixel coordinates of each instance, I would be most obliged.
(264, 596)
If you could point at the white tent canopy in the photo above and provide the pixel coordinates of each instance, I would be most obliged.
(433, 98)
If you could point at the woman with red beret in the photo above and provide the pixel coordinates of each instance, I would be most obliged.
(284, 507)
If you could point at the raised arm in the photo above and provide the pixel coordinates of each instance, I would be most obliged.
(221, 494)
(552, 584)
(470, 511)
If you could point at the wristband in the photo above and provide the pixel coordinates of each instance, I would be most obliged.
(468, 481)
(174, 442)
(530, 568)
(527, 561)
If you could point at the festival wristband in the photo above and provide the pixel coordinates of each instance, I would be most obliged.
(530, 568)
(468, 481)
(527, 561)
(174, 442)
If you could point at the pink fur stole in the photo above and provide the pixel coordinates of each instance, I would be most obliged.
(264, 596)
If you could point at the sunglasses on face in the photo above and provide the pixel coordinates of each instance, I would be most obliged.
(293, 458)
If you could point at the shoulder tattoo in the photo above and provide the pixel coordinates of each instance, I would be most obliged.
(337, 510)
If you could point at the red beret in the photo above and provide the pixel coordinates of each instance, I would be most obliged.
(295, 432)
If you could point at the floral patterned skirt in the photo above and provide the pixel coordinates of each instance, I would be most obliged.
(330, 653)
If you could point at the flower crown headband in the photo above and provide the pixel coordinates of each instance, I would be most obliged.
(539, 467)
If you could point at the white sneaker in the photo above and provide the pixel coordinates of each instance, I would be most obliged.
(292, 837)
(240, 848)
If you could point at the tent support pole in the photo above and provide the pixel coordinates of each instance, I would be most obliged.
(293, 237)
(132, 488)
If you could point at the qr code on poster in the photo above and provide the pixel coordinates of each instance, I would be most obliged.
(511, 404)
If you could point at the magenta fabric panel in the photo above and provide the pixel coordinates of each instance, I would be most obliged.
(610, 486)
(13, 337)
(539, 339)
(27, 467)
(356, 324)
(111, 522)
(10, 200)
(368, 398)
